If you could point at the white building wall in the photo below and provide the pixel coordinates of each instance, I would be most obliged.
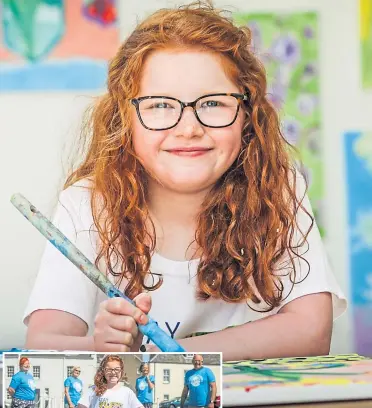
(177, 374)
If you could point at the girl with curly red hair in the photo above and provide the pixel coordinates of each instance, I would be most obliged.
(187, 197)
(108, 390)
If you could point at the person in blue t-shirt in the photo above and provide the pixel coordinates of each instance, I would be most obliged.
(22, 386)
(73, 388)
(145, 386)
(200, 385)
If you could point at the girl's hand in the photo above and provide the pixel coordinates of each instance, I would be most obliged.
(116, 324)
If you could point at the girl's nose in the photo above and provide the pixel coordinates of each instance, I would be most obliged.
(189, 126)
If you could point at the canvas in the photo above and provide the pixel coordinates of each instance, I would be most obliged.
(297, 380)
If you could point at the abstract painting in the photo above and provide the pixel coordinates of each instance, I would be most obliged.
(365, 7)
(297, 380)
(358, 153)
(56, 44)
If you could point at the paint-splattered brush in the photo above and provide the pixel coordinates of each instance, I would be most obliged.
(69, 250)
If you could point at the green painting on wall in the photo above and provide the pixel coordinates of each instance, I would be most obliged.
(366, 42)
(288, 44)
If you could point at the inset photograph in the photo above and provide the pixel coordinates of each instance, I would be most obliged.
(122, 380)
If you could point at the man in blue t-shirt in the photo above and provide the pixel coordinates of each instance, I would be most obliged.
(22, 387)
(73, 388)
(145, 386)
(200, 385)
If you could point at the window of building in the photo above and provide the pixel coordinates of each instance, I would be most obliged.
(36, 371)
(10, 371)
(69, 371)
(8, 396)
(166, 397)
(166, 376)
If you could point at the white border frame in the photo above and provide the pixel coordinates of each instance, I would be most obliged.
(76, 352)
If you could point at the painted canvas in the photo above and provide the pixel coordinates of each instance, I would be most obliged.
(365, 13)
(56, 44)
(288, 47)
(358, 152)
(297, 380)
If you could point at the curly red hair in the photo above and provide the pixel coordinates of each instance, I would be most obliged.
(100, 379)
(247, 222)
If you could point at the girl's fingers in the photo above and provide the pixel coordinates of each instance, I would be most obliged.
(107, 338)
(120, 306)
(116, 324)
(143, 302)
(105, 320)
(121, 338)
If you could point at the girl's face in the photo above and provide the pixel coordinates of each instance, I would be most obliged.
(25, 367)
(145, 370)
(186, 75)
(112, 372)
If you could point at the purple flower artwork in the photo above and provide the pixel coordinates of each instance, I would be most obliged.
(288, 47)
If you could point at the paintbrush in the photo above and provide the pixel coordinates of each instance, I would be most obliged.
(159, 337)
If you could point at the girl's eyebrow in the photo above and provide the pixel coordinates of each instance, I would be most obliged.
(198, 95)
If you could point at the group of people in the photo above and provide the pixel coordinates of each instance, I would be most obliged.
(108, 390)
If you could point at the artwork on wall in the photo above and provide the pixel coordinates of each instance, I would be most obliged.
(297, 380)
(365, 13)
(288, 47)
(358, 153)
(56, 44)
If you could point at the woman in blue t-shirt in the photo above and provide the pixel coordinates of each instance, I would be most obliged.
(145, 386)
(73, 388)
(22, 386)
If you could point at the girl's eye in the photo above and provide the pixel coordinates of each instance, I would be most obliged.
(161, 105)
(210, 104)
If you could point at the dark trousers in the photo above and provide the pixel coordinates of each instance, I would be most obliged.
(20, 403)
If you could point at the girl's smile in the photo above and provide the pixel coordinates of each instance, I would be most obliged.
(193, 151)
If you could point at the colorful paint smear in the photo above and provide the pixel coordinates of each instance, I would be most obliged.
(365, 7)
(56, 44)
(288, 47)
(358, 151)
(261, 379)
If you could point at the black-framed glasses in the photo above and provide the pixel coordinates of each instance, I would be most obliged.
(113, 371)
(217, 110)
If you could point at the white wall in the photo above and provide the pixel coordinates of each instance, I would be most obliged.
(177, 379)
(34, 127)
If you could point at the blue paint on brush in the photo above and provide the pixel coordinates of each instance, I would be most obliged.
(159, 337)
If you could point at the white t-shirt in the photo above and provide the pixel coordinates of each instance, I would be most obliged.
(60, 285)
(122, 397)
